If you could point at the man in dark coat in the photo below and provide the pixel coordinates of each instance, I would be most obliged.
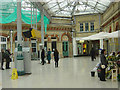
(56, 57)
(3, 57)
(92, 53)
(8, 59)
(43, 56)
(103, 62)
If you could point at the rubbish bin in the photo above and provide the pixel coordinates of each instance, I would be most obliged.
(92, 73)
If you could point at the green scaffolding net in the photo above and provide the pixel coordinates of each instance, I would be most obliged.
(8, 13)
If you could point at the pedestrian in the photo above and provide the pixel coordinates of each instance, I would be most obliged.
(56, 57)
(3, 58)
(103, 63)
(49, 56)
(92, 54)
(43, 56)
(8, 58)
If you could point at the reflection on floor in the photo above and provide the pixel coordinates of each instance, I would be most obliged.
(71, 73)
(0, 79)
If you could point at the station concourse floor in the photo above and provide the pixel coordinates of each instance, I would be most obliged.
(72, 73)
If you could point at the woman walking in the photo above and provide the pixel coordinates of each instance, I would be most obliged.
(49, 56)
(56, 57)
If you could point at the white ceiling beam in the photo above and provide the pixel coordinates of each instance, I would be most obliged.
(39, 6)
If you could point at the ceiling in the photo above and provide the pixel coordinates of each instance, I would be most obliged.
(75, 7)
(61, 7)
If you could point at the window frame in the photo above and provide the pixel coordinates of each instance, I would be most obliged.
(92, 26)
(87, 26)
(81, 27)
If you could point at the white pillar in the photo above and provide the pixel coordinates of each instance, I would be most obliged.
(33, 18)
(11, 39)
(42, 28)
(101, 45)
(74, 47)
(36, 19)
(19, 23)
(20, 61)
(11, 31)
(31, 15)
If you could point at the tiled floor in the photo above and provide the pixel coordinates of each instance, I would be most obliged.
(71, 73)
(0, 79)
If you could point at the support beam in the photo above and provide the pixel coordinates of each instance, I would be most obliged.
(42, 28)
(38, 5)
(19, 24)
(20, 61)
(74, 8)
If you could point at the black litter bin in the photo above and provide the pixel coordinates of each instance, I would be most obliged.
(92, 73)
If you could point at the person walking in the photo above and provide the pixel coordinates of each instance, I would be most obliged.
(43, 56)
(3, 58)
(103, 63)
(92, 54)
(49, 56)
(8, 59)
(56, 57)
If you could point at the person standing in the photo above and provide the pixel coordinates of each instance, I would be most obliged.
(103, 62)
(49, 56)
(56, 57)
(92, 54)
(8, 59)
(43, 56)
(3, 57)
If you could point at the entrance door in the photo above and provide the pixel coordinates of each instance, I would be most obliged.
(54, 45)
(65, 49)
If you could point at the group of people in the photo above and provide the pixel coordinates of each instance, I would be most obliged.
(6, 56)
(103, 63)
(56, 56)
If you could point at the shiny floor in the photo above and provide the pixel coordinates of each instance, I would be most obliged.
(71, 73)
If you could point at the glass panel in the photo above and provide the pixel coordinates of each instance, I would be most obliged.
(81, 26)
(86, 27)
(3, 46)
(91, 3)
(3, 39)
(33, 44)
(63, 4)
(101, 6)
(105, 2)
(80, 7)
(50, 5)
(92, 26)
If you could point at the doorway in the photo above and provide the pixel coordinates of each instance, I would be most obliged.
(54, 46)
(65, 49)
